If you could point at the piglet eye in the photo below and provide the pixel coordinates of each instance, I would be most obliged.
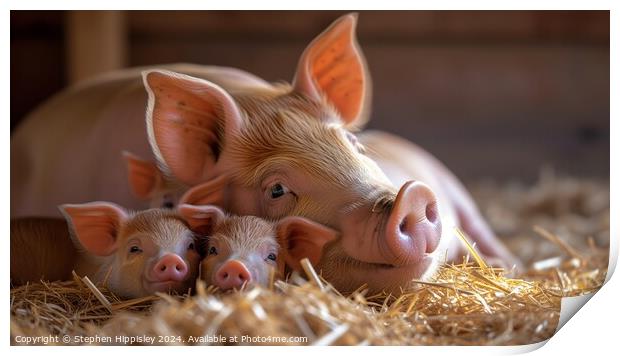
(135, 249)
(272, 256)
(212, 250)
(191, 246)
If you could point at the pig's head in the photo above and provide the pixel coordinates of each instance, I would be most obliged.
(289, 151)
(142, 253)
(148, 182)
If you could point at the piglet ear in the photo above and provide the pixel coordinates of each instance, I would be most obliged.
(212, 192)
(300, 238)
(333, 68)
(95, 226)
(188, 121)
(201, 218)
(144, 176)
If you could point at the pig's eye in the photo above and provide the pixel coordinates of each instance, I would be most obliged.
(191, 246)
(277, 190)
(212, 250)
(135, 249)
(272, 257)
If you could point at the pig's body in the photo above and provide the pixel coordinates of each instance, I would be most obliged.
(68, 150)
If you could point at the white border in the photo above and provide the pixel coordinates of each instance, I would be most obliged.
(592, 330)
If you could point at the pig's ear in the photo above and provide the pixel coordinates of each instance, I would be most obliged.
(95, 225)
(188, 121)
(333, 67)
(212, 192)
(144, 176)
(201, 218)
(300, 238)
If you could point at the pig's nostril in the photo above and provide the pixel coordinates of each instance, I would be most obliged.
(431, 212)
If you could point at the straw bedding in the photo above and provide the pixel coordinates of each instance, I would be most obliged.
(559, 227)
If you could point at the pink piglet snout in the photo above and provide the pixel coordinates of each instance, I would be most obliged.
(232, 274)
(170, 267)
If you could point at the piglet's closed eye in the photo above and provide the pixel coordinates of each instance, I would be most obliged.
(95, 225)
(302, 238)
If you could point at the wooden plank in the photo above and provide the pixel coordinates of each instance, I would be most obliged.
(96, 43)
(36, 24)
(33, 79)
(423, 26)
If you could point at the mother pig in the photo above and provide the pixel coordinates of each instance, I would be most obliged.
(267, 150)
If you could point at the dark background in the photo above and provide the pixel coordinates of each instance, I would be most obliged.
(491, 93)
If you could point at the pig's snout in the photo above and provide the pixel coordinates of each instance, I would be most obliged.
(170, 267)
(232, 274)
(413, 227)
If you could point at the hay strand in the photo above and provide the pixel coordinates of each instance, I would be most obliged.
(97, 293)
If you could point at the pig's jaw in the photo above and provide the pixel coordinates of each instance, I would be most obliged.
(378, 277)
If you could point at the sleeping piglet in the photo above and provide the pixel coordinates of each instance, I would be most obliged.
(243, 249)
(136, 254)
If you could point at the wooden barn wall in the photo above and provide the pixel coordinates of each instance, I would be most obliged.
(492, 94)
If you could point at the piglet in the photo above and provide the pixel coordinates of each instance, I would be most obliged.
(146, 252)
(136, 254)
(242, 250)
(149, 183)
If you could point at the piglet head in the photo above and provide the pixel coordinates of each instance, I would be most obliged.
(142, 253)
(241, 250)
(149, 183)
